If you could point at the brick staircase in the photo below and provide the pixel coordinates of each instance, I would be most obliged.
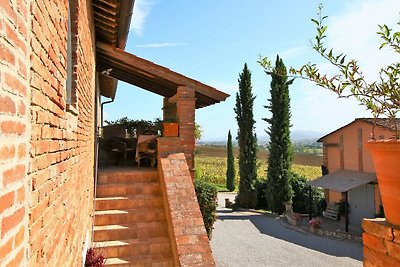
(130, 222)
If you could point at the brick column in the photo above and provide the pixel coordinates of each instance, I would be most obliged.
(186, 105)
(381, 243)
(169, 109)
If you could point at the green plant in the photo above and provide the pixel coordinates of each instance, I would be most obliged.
(135, 127)
(198, 132)
(94, 258)
(301, 196)
(247, 141)
(207, 197)
(280, 147)
(342, 208)
(262, 202)
(230, 163)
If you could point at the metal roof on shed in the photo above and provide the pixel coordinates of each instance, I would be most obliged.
(343, 180)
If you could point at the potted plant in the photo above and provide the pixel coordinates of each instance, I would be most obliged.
(315, 223)
(381, 97)
(170, 127)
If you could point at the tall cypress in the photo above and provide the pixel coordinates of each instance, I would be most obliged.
(230, 165)
(247, 140)
(280, 147)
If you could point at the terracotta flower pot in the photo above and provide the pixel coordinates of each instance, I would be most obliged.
(170, 129)
(386, 158)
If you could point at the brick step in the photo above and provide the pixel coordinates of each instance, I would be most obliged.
(134, 247)
(108, 217)
(122, 190)
(160, 259)
(128, 176)
(130, 202)
(130, 231)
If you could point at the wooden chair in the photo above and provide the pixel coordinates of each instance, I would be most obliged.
(146, 148)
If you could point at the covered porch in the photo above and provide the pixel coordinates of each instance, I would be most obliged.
(182, 95)
(149, 215)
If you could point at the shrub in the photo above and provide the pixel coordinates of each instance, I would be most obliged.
(301, 196)
(262, 202)
(94, 258)
(207, 197)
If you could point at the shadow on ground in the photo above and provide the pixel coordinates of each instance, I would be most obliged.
(271, 226)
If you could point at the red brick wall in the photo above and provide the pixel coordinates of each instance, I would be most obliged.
(185, 223)
(381, 243)
(14, 131)
(62, 140)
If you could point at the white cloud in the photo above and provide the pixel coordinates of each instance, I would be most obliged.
(320, 110)
(161, 45)
(354, 33)
(141, 9)
(293, 52)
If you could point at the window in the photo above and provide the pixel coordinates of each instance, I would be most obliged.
(71, 53)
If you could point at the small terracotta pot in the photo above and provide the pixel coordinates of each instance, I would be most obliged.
(386, 158)
(170, 129)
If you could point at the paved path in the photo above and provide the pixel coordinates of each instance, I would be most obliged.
(252, 239)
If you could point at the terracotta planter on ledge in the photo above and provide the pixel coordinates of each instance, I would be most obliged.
(386, 158)
(170, 129)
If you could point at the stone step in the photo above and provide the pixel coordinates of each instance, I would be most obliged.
(123, 190)
(130, 231)
(134, 247)
(109, 217)
(160, 259)
(130, 202)
(127, 176)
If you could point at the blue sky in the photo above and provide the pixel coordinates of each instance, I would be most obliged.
(211, 40)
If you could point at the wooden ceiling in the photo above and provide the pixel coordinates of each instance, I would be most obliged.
(129, 68)
(106, 14)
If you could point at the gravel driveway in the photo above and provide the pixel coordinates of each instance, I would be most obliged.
(251, 239)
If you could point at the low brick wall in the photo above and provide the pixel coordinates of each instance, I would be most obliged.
(185, 224)
(381, 243)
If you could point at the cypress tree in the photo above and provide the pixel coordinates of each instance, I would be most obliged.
(230, 163)
(247, 140)
(280, 147)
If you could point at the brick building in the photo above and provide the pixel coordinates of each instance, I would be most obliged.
(49, 114)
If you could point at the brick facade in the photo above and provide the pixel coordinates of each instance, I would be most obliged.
(190, 242)
(46, 146)
(381, 243)
(14, 131)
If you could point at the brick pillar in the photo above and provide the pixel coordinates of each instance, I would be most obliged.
(381, 243)
(186, 105)
(169, 109)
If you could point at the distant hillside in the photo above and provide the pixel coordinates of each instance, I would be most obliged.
(298, 137)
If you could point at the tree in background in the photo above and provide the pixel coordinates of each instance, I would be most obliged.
(280, 148)
(198, 132)
(247, 140)
(230, 163)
